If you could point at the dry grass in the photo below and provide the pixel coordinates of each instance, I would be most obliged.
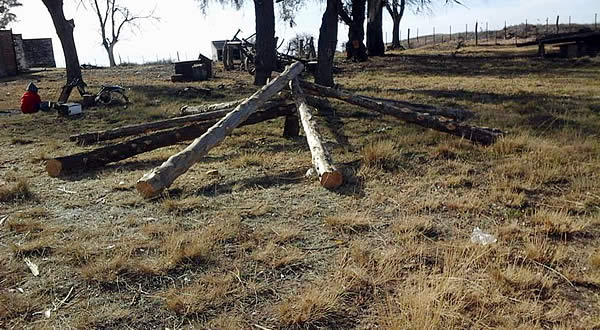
(258, 244)
(15, 192)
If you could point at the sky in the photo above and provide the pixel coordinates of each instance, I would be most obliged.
(185, 30)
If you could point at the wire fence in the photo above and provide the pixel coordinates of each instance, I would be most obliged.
(481, 33)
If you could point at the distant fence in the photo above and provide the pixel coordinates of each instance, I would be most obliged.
(479, 33)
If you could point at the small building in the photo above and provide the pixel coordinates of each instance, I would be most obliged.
(18, 54)
(217, 50)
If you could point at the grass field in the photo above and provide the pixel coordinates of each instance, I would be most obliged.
(257, 245)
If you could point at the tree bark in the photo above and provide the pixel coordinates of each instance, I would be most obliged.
(110, 50)
(355, 47)
(196, 109)
(327, 44)
(266, 58)
(64, 30)
(126, 149)
(481, 135)
(162, 177)
(87, 138)
(375, 44)
(329, 176)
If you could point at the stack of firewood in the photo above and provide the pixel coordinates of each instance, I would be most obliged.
(209, 125)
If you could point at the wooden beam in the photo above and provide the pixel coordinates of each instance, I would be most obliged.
(329, 176)
(481, 135)
(113, 153)
(152, 183)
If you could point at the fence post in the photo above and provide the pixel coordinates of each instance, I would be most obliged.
(450, 32)
(596, 21)
(476, 33)
(417, 37)
(466, 31)
(526, 29)
(408, 39)
(505, 31)
(487, 33)
(546, 24)
(569, 21)
(557, 26)
(434, 35)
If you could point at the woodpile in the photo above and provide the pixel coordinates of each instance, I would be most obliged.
(209, 125)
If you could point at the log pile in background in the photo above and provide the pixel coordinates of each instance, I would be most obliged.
(211, 124)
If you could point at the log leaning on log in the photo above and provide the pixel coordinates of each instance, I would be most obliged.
(481, 135)
(452, 113)
(195, 109)
(163, 176)
(329, 176)
(99, 157)
(88, 138)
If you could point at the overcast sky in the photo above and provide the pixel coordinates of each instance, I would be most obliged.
(183, 28)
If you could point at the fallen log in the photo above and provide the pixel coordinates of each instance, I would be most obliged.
(481, 135)
(329, 176)
(126, 149)
(452, 113)
(195, 109)
(154, 182)
(88, 138)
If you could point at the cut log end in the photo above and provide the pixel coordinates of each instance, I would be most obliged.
(332, 180)
(146, 189)
(53, 167)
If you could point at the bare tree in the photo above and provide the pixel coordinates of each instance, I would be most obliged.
(327, 43)
(64, 30)
(113, 18)
(396, 10)
(6, 17)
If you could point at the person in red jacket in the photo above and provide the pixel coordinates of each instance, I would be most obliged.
(31, 102)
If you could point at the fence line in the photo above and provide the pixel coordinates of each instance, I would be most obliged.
(506, 35)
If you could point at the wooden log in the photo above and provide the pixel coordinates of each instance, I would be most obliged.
(126, 149)
(93, 137)
(452, 113)
(191, 110)
(87, 138)
(329, 176)
(481, 135)
(162, 177)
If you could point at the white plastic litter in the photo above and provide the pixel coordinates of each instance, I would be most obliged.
(480, 237)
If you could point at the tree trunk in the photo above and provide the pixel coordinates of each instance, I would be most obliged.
(375, 44)
(110, 50)
(481, 135)
(327, 44)
(64, 30)
(355, 48)
(196, 109)
(87, 138)
(329, 176)
(266, 57)
(126, 149)
(162, 177)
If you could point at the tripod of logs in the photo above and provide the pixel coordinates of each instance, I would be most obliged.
(210, 125)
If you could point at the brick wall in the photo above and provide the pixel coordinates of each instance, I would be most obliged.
(39, 53)
(8, 61)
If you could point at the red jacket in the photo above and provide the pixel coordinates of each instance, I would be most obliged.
(30, 102)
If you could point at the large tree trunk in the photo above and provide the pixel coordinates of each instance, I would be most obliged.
(329, 176)
(126, 149)
(266, 57)
(481, 135)
(355, 48)
(154, 182)
(396, 32)
(375, 44)
(327, 44)
(64, 30)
